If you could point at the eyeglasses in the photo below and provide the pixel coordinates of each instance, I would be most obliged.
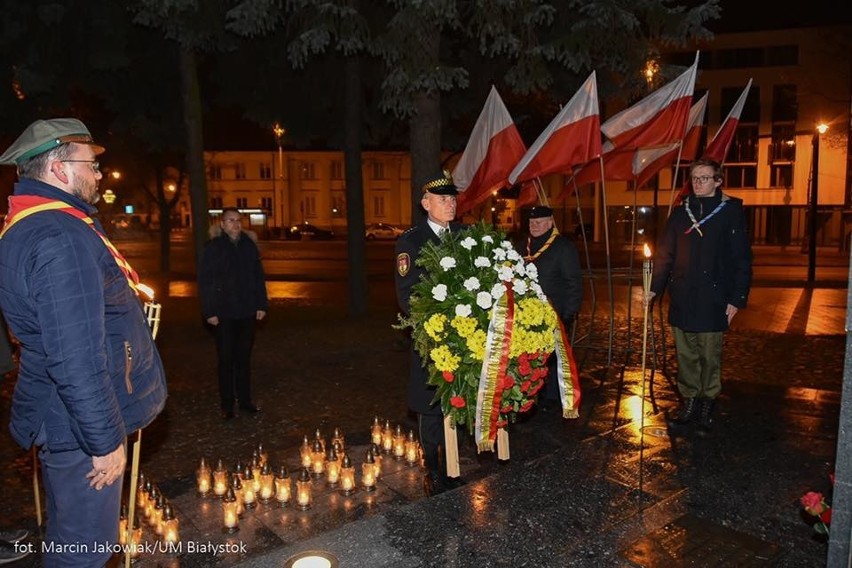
(96, 165)
(702, 179)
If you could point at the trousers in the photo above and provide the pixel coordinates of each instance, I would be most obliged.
(234, 339)
(82, 523)
(699, 363)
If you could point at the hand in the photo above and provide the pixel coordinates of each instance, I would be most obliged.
(260, 315)
(213, 320)
(107, 469)
(731, 311)
(648, 298)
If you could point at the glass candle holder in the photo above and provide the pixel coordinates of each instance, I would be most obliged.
(231, 520)
(249, 492)
(368, 472)
(267, 484)
(347, 476)
(171, 525)
(412, 454)
(338, 439)
(220, 479)
(376, 431)
(317, 459)
(305, 452)
(203, 479)
(398, 443)
(387, 438)
(237, 485)
(303, 490)
(283, 487)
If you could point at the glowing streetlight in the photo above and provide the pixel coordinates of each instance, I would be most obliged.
(109, 197)
(820, 129)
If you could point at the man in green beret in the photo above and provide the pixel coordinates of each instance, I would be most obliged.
(89, 374)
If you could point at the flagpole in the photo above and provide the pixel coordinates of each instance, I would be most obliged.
(608, 265)
(672, 193)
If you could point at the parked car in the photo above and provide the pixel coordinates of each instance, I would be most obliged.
(304, 231)
(381, 231)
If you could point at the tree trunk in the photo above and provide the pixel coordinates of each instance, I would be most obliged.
(165, 233)
(354, 188)
(191, 95)
(425, 137)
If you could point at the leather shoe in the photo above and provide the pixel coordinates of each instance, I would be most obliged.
(12, 552)
(227, 414)
(14, 535)
(249, 408)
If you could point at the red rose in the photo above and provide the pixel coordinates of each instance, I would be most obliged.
(448, 376)
(525, 386)
(524, 368)
(826, 516)
(536, 388)
(506, 409)
(526, 406)
(502, 423)
(458, 402)
(812, 502)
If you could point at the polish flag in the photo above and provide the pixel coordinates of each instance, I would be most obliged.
(572, 138)
(659, 118)
(655, 159)
(494, 147)
(718, 148)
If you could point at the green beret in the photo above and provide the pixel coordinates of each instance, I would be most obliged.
(44, 135)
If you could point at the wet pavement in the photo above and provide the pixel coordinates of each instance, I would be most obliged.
(616, 487)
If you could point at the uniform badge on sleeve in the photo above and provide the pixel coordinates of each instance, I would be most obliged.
(403, 263)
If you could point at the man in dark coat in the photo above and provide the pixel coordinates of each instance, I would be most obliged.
(555, 257)
(89, 371)
(439, 202)
(704, 260)
(232, 287)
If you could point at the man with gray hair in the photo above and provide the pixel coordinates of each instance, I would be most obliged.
(89, 373)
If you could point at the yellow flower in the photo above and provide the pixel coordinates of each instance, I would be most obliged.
(444, 359)
(476, 344)
(464, 325)
(434, 326)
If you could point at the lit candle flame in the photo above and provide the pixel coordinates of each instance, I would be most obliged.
(647, 250)
(147, 290)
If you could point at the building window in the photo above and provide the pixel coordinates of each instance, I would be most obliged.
(783, 146)
(338, 204)
(266, 203)
(782, 55)
(265, 170)
(741, 176)
(240, 170)
(739, 58)
(378, 205)
(781, 175)
(337, 169)
(215, 171)
(785, 106)
(378, 170)
(309, 170)
(215, 202)
(751, 108)
(744, 145)
(242, 203)
(309, 206)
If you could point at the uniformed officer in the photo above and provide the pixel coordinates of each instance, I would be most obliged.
(439, 202)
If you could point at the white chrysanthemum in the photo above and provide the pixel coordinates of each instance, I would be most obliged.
(447, 262)
(471, 284)
(499, 255)
(468, 243)
(519, 286)
(536, 288)
(507, 245)
(487, 239)
(498, 290)
(505, 273)
(481, 262)
(513, 255)
(439, 292)
(463, 310)
(483, 300)
(520, 269)
(532, 271)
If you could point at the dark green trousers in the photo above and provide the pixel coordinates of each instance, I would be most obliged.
(699, 363)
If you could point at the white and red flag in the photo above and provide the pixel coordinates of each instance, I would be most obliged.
(572, 138)
(718, 148)
(649, 161)
(659, 118)
(494, 147)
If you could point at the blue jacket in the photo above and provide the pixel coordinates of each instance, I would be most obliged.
(90, 373)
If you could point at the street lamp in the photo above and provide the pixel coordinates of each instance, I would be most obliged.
(821, 128)
(279, 132)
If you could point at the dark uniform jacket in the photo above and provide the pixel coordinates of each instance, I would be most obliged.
(407, 274)
(559, 273)
(703, 274)
(89, 371)
(231, 283)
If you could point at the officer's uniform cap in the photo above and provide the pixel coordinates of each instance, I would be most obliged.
(44, 135)
(441, 185)
(541, 211)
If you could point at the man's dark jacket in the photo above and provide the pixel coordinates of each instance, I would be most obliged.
(89, 370)
(232, 283)
(407, 274)
(703, 274)
(559, 273)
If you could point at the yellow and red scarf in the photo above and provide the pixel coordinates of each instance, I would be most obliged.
(22, 206)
